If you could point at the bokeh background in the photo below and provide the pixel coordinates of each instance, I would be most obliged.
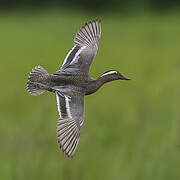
(131, 129)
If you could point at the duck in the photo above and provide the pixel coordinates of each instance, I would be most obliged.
(71, 83)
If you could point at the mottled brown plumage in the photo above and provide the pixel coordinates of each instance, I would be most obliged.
(71, 83)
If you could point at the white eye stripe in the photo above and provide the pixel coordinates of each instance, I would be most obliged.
(110, 72)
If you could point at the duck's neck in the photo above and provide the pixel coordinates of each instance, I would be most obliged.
(96, 84)
(104, 79)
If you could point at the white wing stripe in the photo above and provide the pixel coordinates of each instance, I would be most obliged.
(75, 59)
(68, 56)
(68, 107)
(58, 105)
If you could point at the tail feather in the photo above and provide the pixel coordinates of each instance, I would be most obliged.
(35, 84)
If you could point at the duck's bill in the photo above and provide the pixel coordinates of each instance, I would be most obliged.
(124, 78)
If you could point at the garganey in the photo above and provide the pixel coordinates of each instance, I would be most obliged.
(71, 83)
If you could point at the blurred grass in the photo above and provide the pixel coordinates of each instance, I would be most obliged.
(131, 129)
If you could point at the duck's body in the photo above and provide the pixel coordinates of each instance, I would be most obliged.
(71, 83)
(81, 83)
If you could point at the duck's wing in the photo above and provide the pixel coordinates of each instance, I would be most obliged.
(71, 117)
(85, 48)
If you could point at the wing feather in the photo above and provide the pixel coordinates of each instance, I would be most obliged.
(74, 146)
(70, 121)
(89, 34)
(85, 48)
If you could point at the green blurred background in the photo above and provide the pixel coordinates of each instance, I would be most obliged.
(131, 129)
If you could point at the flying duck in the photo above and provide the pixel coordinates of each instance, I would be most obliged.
(71, 83)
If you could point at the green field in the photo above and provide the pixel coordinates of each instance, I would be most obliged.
(131, 129)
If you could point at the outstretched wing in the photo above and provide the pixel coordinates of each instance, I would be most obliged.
(85, 48)
(71, 117)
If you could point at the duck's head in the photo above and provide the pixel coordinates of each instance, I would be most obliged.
(114, 75)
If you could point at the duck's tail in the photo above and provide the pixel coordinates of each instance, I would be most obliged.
(37, 79)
